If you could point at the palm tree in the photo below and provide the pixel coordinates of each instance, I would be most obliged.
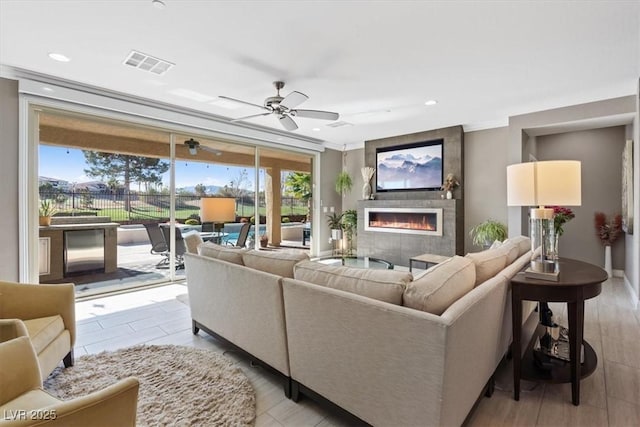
(299, 183)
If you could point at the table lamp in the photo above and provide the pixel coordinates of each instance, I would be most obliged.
(217, 210)
(555, 182)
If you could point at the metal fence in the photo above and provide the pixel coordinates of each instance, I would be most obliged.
(135, 207)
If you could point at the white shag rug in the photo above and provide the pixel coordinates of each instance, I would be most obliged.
(179, 386)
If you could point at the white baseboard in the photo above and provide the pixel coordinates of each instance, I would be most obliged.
(618, 273)
(632, 293)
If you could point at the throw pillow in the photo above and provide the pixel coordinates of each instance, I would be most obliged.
(382, 285)
(523, 243)
(192, 241)
(488, 263)
(441, 285)
(279, 263)
(511, 250)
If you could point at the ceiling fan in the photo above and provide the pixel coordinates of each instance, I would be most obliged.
(284, 108)
(194, 146)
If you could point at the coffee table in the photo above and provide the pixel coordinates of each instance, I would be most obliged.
(427, 259)
(358, 262)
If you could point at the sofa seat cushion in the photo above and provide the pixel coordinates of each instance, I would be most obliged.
(441, 285)
(43, 331)
(488, 263)
(280, 263)
(231, 254)
(382, 285)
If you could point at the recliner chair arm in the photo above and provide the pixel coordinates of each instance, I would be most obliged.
(19, 369)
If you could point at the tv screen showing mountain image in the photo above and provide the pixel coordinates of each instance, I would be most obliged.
(416, 166)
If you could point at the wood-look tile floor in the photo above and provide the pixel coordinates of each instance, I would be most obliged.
(609, 397)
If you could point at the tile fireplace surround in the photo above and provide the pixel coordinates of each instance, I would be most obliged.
(395, 243)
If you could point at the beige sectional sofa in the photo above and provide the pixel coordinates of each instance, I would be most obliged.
(388, 347)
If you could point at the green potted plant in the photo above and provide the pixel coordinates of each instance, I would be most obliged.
(484, 234)
(334, 222)
(46, 211)
(343, 183)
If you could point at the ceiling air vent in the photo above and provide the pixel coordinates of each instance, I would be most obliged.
(339, 124)
(148, 63)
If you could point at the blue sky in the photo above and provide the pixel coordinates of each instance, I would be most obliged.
(69, 165)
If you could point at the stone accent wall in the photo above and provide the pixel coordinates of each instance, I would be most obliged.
(399, 247)
(453, 158)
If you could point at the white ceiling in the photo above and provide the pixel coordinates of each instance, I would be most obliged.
(375, 63)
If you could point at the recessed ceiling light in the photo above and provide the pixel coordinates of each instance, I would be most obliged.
(47, 89)
(316, 129)
(59, 57)
(159, 4)
(431, 102)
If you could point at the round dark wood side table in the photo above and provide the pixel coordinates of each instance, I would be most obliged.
(578, 281)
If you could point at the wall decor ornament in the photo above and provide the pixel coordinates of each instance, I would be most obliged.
(367, 174)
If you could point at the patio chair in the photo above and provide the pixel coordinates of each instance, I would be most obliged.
(181, 248)
(158, 243)
(241, 241)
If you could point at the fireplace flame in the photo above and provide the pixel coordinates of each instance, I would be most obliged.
(405, 221)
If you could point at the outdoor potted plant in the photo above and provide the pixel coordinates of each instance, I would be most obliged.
(46, 211)
(264, 240)
(484, 234)
(334, 222)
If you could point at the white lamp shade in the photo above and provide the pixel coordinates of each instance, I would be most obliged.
(217, 209)
(548, 183)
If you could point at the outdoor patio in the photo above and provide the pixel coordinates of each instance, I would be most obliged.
(137, 267)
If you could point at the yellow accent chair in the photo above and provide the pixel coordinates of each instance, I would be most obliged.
(23, 402)
(48, 317)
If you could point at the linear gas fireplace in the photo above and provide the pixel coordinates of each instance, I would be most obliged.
(427, 221)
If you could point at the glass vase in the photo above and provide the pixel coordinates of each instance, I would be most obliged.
(556, 246)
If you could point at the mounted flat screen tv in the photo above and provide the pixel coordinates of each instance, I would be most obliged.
(416, 166)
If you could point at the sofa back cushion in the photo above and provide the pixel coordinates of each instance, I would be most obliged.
(275, 262)
(441, 285)
(382, 285)
(225, 253)
(488, 263)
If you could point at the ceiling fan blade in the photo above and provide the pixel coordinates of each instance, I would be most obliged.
(242, 102)
(316, 114)
(211, 150)
(293, 99)
(251, 116)
(287, 122)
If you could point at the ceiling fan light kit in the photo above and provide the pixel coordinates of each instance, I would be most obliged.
(284, 108)
(194, 146)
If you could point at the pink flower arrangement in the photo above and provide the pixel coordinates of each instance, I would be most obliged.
(561, 216)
